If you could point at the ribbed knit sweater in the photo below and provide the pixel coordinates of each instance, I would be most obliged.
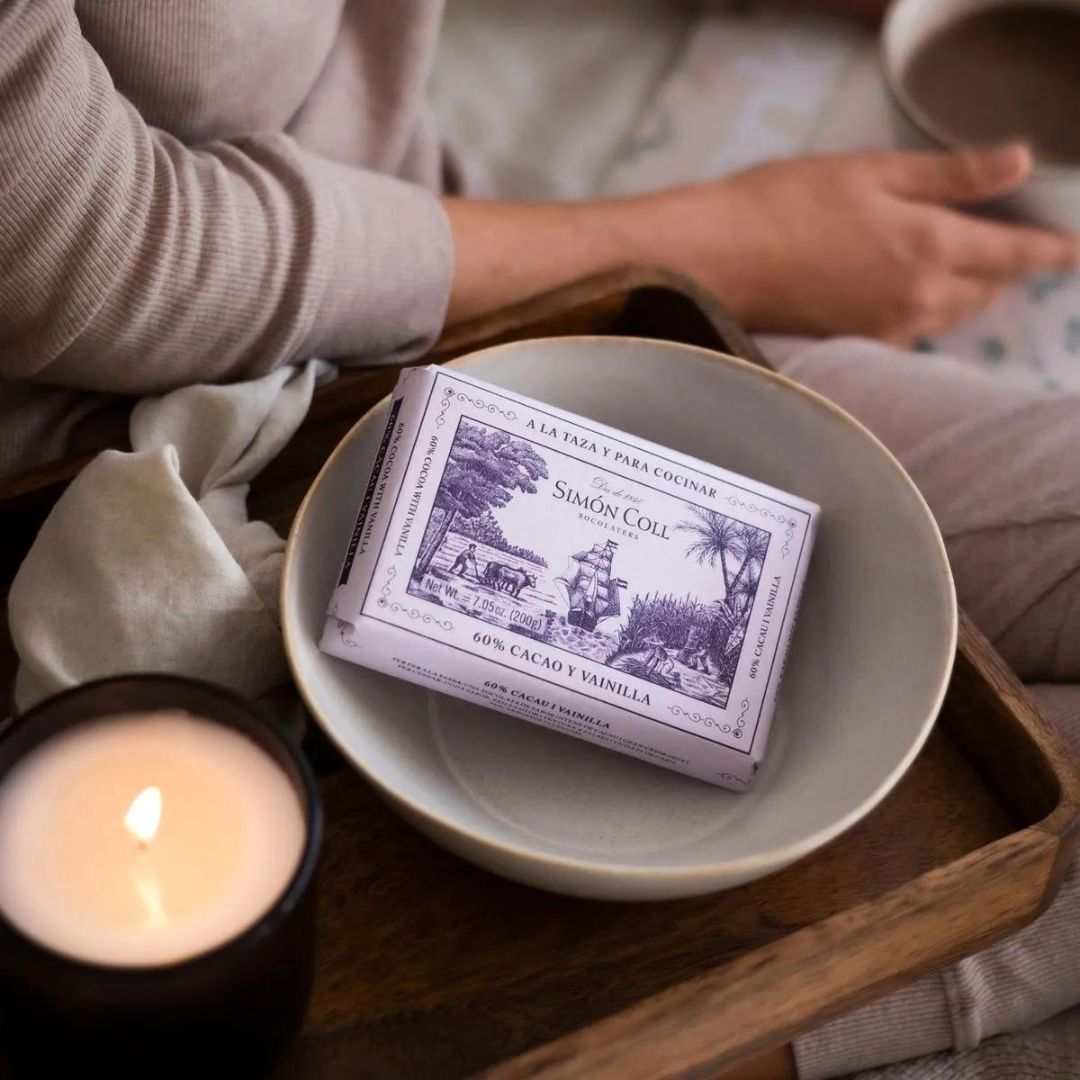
(193, 190)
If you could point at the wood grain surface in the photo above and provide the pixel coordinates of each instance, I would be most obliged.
(429, 967)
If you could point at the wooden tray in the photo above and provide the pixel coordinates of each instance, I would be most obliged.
(429, 967)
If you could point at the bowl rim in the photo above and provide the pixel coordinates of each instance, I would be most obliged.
(925, 124)
(749, 865)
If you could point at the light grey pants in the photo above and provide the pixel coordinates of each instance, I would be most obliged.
(998, 460)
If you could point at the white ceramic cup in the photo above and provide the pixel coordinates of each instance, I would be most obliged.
(1051, 197)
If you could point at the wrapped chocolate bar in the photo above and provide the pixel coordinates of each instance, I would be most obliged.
(569, 574)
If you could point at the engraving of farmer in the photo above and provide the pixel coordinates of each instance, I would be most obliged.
(695, 654)
(658, 654)
(464, 560)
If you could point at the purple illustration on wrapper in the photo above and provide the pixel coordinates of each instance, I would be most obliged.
(467, 562)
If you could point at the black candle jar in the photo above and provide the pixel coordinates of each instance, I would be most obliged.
(231, 1010)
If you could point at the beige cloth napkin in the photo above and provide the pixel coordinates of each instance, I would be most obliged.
(148, 562)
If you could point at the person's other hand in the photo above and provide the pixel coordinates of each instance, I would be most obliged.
(871, 244)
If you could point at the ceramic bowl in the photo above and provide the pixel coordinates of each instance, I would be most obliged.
(869, 663)
(1051, 196)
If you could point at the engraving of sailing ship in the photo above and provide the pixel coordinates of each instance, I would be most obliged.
(592, 593)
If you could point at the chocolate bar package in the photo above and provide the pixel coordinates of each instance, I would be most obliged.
(568, 574)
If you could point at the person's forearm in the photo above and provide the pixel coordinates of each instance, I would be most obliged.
(508, 252)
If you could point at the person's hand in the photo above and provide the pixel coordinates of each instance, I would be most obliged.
(870, 244)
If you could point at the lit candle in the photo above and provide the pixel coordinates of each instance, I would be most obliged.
(158, 845)
(146, 839)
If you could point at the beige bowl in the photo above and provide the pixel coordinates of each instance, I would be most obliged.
(868, 668)
(1051, 196)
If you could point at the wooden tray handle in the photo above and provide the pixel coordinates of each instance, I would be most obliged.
(639, 303)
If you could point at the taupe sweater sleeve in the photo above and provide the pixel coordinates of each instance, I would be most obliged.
(130, 263)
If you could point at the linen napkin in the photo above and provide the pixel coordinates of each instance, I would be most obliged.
(148, 561)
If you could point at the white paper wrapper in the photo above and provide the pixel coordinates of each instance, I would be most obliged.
(560, 571)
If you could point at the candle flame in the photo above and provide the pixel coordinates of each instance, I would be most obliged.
(143, 816)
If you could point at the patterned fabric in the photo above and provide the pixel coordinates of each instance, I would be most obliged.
(1033, 328)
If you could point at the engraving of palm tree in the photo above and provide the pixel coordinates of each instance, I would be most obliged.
(754, 545)
(722, 540)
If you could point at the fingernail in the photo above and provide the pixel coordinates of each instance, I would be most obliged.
(1008, 161)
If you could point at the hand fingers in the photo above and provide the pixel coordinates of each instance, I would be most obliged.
(991, 249)
(949, 302)
(966, 176)
(961, 298)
